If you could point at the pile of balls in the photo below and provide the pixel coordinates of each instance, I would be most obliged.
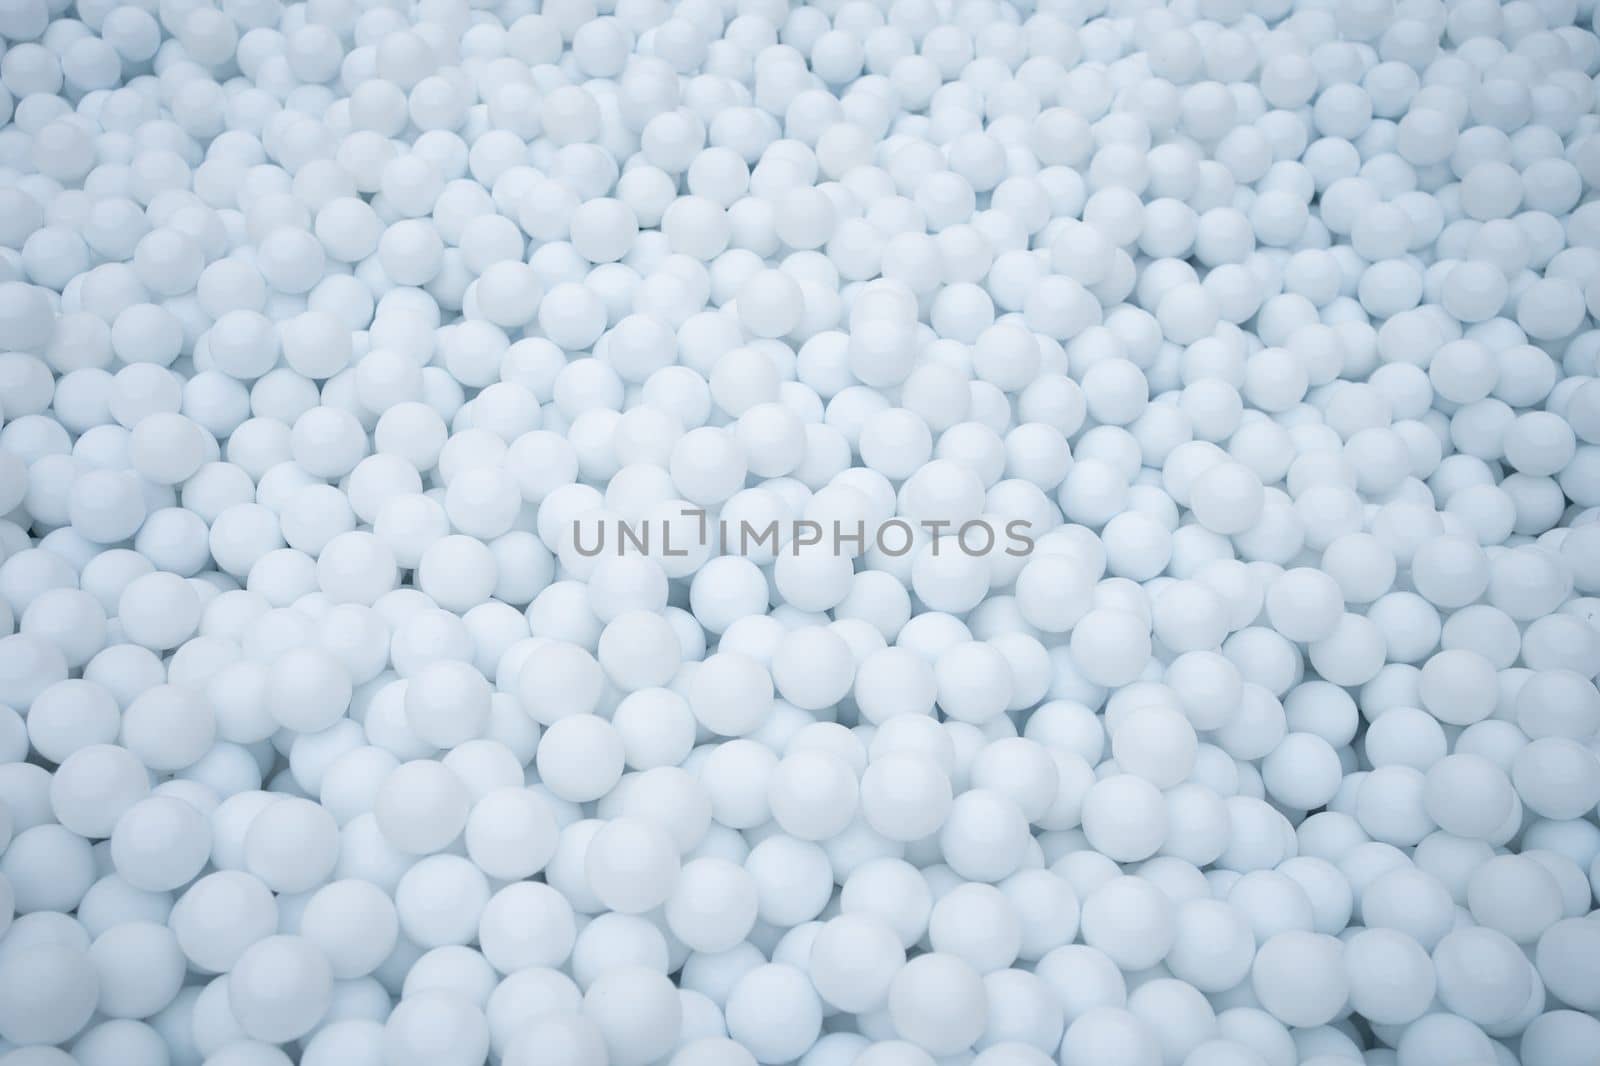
(730, 532)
